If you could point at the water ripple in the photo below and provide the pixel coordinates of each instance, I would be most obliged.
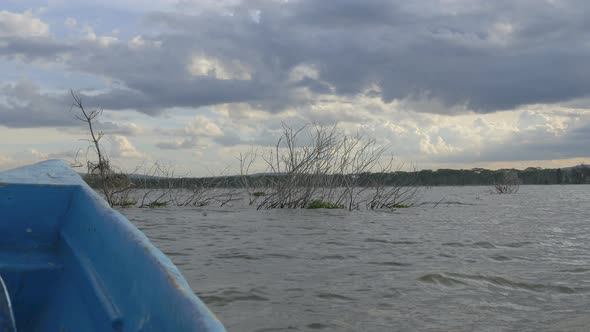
(502, 262)
(480, 244)
(390, 263)
(375, 240)
(453, 279)
(333, 296)
(226, 297)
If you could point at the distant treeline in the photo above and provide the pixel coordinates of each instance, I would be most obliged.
(441, 177)
(480, 176)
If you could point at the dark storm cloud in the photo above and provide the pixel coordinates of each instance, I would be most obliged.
(152, 96)
(487, 55)
(33, 49)
(346, 12)
(492, 57)
(24, 106)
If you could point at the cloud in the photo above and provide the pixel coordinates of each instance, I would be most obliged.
(538, 135)
(26, 37)
(103, 41)
(211, 67)
(24, 105)
(17, 25)
(201, 125)
(6, 162)
(488, 59)
(38, 154)
(33, 155)
(121, 147)
(427, 77)
(125, 129)
(188, 143)
(71, 22)
(190, 135)
(66, 155)
(459, 57)
(34, 49)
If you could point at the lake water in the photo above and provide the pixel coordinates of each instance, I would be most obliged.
(477, 261)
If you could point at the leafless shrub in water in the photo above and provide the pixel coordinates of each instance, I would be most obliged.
(507, 182)
(397, 195)
(157, 182)
(245, 181)
(331, 169)
(162, 188)
(113, 184)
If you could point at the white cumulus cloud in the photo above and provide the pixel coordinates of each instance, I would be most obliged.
(121, 147)
(21, 25)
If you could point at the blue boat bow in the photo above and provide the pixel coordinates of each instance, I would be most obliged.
(71, 263)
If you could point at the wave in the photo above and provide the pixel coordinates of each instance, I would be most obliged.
(441, 279)
(390, 264)
(333, 296)
(375, 240)
(339, 257)
(501, 258)
(517, 244)
(226, 297)
(275, 255)
(481, 244)
(454, 279)
(236, 256)
(487, 245)
(576, 270)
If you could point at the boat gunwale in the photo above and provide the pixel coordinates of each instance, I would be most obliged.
(58, 173)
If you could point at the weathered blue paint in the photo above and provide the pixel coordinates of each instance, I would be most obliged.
(71, 263)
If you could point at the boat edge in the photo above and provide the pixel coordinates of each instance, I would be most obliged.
(57, 172)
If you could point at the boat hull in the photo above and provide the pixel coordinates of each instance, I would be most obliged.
(71, 263)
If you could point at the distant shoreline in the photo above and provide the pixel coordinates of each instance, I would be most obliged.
(429, 178)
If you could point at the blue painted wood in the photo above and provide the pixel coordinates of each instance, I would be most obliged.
(71, 263)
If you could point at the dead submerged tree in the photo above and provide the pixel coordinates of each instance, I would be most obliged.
(154, 184)
(315, 166)
(507, 182)
(159, 186)
(113, 184)
(251, 188)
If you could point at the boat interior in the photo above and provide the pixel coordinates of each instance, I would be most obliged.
(71, 263)
(52, 284)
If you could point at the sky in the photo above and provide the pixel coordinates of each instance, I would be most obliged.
(440, 83)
